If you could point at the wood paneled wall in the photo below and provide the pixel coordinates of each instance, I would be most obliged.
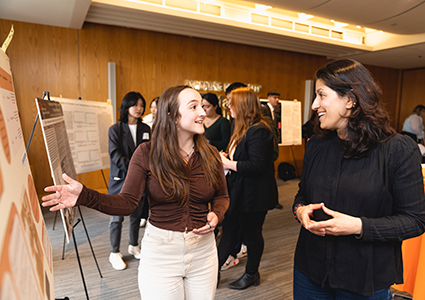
(73, 63)
(412, 93)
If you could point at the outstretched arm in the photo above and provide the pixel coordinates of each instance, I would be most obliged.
(66, 195)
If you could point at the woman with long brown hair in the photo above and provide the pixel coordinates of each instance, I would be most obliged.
(182, 176)
(251, 183)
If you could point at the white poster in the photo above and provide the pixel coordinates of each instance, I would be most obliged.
(289, 126)
(26, 269)
(87, 124)
(58, 151)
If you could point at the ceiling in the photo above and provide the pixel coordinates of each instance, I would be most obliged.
(392, 32)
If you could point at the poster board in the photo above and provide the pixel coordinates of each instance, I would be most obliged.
(58, 151)
(26, 264)
(289, 124)
(87, 124)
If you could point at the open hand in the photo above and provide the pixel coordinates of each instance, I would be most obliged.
(66, 195)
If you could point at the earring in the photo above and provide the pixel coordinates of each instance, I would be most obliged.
(354, 104)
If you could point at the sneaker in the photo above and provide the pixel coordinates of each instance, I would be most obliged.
(142, 222)
(230, 262)
(135, 250)
(243, 252)
(116, 260)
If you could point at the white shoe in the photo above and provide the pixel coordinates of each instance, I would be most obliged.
(135, 250)
(230, 262)
(243, 252)
(142, 222)
(116, 260)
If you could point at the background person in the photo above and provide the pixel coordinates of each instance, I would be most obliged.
(272, 109)
(413, 126)
(361, 192)
(148, 120)
(217, 128)
(182, 175)
(124, 137)
(251, 183)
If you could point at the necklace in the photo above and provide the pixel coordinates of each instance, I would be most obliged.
(211, 121)
(187, 155)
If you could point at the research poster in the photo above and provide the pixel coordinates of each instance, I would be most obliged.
(26, 267)
(289, 125)
(58, 151)
(87, 124)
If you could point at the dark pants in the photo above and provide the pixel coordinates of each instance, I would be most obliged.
(251, 225)
(305, 289)
(115, 228)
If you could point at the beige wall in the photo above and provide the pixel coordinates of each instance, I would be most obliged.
(73, 63)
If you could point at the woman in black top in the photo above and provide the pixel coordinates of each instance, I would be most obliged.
(250, 181)
(361, 192)
(217, 128)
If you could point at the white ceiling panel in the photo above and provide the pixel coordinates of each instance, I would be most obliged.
(403, 18)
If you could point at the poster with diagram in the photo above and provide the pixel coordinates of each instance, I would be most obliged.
(87, 124)
(26, 266)
(58, 152)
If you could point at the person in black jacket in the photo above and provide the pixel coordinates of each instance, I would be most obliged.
(250, 181)
(361, 192)
(124, 137)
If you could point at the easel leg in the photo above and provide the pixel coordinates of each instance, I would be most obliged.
(88, 239)
(295, 162)
(78, 259)
(64, 245)
(54, 222)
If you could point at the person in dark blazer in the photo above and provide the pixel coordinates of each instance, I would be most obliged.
(250, 181)
(124, 137)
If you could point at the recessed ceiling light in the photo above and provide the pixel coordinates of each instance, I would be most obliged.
(262, 7)
(304, 17)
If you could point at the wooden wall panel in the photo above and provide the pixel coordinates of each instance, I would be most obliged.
(73, 63)
(42, 58)
(412, 93)
(389, 81)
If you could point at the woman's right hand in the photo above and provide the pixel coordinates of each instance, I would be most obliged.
(66, 195)
(304, 214)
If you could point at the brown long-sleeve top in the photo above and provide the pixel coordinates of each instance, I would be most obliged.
(165, 214)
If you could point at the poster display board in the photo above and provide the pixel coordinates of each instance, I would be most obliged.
(58, 151)
(26, 265)
(289, 123)
(87, 124)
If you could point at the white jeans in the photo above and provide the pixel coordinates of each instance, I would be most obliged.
(177, 265)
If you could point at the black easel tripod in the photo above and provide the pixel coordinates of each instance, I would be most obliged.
(47, 94)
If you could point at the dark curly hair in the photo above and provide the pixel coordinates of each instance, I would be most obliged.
(368, 124)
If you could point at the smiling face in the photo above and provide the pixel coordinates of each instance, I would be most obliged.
(191, 113)
(332, 110)
(135, 112)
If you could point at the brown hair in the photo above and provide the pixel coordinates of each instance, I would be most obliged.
(369, 123)
(166, 162)
(248, 113)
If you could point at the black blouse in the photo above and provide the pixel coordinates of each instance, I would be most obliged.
(385, 189)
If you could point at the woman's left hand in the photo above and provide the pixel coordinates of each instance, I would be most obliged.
(340, 224)
(212, 222)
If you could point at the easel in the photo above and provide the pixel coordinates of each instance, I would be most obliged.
(295, 162)
(47, 94)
